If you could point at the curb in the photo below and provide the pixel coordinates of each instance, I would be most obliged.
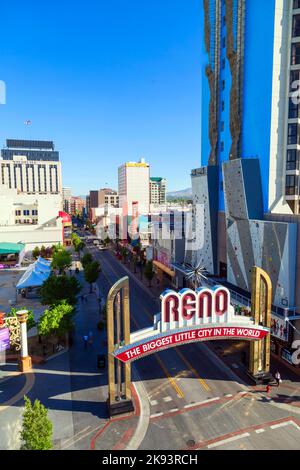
(144, 415)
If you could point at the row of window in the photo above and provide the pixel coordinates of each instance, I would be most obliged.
(26, 212)
(26, 221)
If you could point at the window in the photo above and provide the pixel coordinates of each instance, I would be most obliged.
(222, 126)
(295, 58)
(296, 4)
(296, 26)
(294, 80)
(293, 108)
(223, 42)
(222, 146)
(292, 134)
(223, 105)
(291, 184)
(26, 212)
(223, 84)
(291, 160)
(18, 212)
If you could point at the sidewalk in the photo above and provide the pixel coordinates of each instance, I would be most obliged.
(69, 385)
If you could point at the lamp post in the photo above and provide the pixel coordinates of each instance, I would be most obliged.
(25, 359)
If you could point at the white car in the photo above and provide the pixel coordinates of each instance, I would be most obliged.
(102, 247)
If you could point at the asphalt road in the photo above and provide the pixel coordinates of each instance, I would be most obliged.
(194, 400)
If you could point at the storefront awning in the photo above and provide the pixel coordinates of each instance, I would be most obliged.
(11, 248)
(164, 268)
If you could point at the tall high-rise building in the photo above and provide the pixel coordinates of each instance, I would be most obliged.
(31, 167)
(158, 190)
(134, 185)
(246, 193)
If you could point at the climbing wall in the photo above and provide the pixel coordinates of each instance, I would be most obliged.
(254, 241)
(201, 246)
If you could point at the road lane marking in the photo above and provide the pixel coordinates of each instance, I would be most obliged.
(153, 402)
(193, 370)
(281, 425)
(229, 395)
(199, 403)
(170, 378)
(173, 410)
(259, 431)
(155, 415)
(226, 441)
(166, 399)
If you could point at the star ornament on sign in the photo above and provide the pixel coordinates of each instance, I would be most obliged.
(197, 274)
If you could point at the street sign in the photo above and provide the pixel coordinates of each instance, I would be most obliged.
(4, 339)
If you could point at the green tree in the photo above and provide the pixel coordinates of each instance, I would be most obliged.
(124, 254)
(58, 288)
(36, 252)
(57, 321)
(149, 272)
(91, 273)
(79, 247)
(30, 322)
(43, 252)
(86, 259)
(106, 241)
(61, 260)
(36, 432)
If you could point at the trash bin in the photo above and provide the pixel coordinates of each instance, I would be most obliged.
(101, 361)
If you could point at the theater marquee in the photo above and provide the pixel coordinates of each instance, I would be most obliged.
(190, 316)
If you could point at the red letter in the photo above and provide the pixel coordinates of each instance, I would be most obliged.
(170, 306)
(221, 297)
(188, 305)
(204, 296)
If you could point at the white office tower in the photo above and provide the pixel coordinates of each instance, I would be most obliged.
(134, 184)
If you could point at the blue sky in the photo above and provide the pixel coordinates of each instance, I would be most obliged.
(107, 81)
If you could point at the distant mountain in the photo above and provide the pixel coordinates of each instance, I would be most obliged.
(183, 194)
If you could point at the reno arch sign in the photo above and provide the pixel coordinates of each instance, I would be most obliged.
(190, 316)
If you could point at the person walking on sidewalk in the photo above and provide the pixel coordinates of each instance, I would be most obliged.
(278, 378)
(90, 338)
(85, 339)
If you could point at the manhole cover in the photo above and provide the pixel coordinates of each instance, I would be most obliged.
(191, 443)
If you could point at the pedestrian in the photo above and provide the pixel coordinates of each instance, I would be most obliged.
(85, 339)
(268, 390)
(278, 378)
(90, 338)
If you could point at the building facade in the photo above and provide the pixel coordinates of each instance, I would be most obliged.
(66, 195)
(77, 205)
(31, 167)
(246, 193)
(158, 190)
(30, 194)
(133, 186)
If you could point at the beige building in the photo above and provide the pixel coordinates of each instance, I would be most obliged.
(133, 186)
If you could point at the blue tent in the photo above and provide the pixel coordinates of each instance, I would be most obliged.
(35, 275)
